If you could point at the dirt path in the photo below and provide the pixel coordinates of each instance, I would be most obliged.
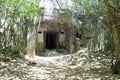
(70, 67)
(53, 68)
(77, 66)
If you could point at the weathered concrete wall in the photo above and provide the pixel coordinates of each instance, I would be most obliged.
(40, 37)
(40, 40)
(62, 39)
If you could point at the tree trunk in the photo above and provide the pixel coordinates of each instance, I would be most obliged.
(116, 65)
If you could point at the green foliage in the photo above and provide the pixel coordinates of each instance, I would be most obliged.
(97, 11)
(22, 8)
(15, 15)
(93, 7)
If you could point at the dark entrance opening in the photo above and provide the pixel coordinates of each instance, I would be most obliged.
(51, 40)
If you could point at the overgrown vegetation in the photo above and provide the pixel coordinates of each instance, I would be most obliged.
(100, 22)
(15, 18)
(107, 12)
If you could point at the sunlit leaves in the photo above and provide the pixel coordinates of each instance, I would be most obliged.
(90, 6)
(23, 8)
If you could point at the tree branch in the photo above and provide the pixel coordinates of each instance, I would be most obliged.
(58, 4)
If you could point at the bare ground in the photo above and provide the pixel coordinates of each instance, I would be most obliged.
(79, 66)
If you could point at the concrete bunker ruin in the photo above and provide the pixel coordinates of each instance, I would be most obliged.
(56, 34)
